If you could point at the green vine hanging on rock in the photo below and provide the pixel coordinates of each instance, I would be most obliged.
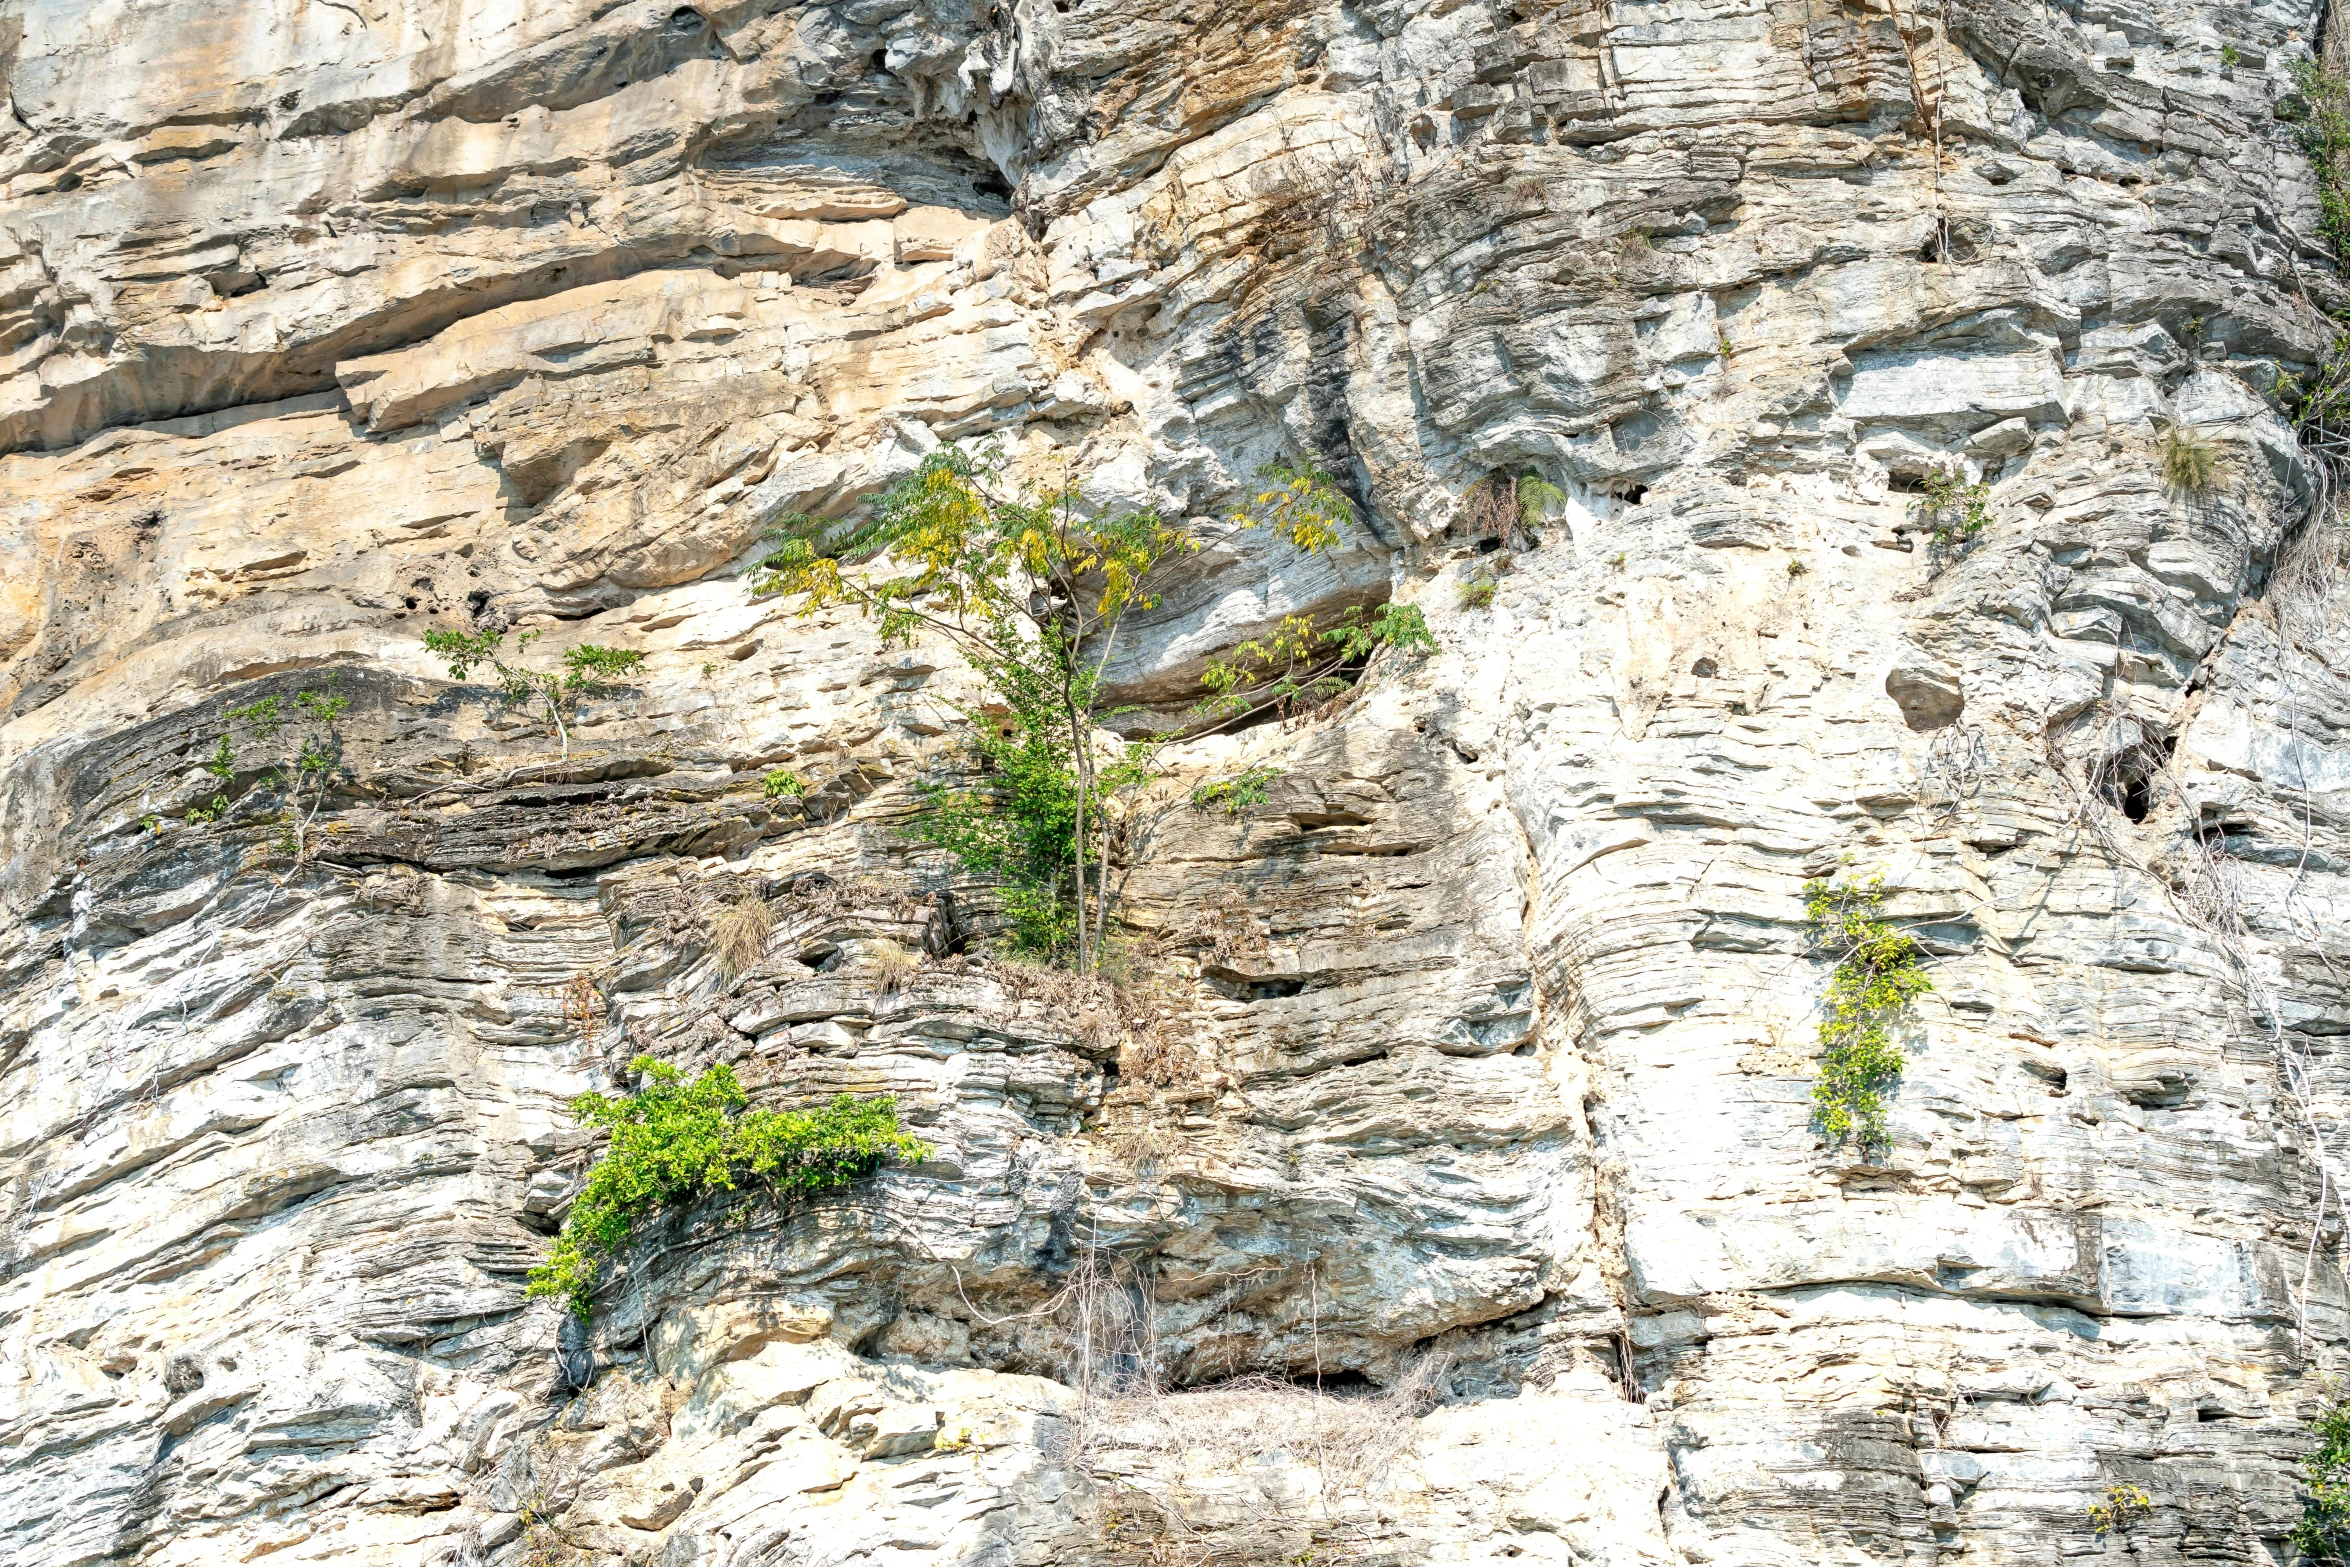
(674, 1141)
(1878, 974)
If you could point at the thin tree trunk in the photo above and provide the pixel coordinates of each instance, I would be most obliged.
(1083, 772)
(1101, 899)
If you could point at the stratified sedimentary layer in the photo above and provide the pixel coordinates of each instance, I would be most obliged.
(1467, 1075)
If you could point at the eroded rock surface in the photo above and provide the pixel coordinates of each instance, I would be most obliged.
(1467, 1075)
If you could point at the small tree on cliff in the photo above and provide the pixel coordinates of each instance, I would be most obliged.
(1031, 588)
(588, 670)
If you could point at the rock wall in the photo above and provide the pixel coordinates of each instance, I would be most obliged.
(1447, 1163)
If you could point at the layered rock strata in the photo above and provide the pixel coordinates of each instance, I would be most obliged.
(1441, 1186)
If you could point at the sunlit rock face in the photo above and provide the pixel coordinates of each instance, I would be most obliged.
(1465, 1077)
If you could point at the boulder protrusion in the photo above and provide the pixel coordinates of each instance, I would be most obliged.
(1929, 698)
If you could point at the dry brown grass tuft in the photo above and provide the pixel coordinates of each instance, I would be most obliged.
(1489, 508)
(893, 968)
(1351, 1439)
(1104, 1014)
(2306, 586)
(739, 933)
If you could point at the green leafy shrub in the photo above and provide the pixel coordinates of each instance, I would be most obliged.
(1878, 973)
(1237, 792)
(783, 784)
(2323, 1533)
(1958, 511)
(1021, 828)
(2319, 401)
(588, 670)
(673, 1142)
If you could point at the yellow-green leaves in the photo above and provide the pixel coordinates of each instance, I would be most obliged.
(1877, 975)
(1299, 501)
(1126, 551)
(967, 538)
(1236, 792)
(969, 544)
(2123, 1506)
(793, 566)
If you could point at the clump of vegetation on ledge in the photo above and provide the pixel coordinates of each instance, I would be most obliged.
(2191, 465)
(1957, 511)
(2319, 111)
(2122, 1509)
(675, 1141)
(1236, 792)
(1302, 664)
(1501, 507)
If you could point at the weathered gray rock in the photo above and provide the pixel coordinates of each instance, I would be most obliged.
(1472, 1071)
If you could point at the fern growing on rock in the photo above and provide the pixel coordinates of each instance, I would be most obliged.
(673, 1142)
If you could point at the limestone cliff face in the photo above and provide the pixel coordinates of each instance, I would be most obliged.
(1470, 1071)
